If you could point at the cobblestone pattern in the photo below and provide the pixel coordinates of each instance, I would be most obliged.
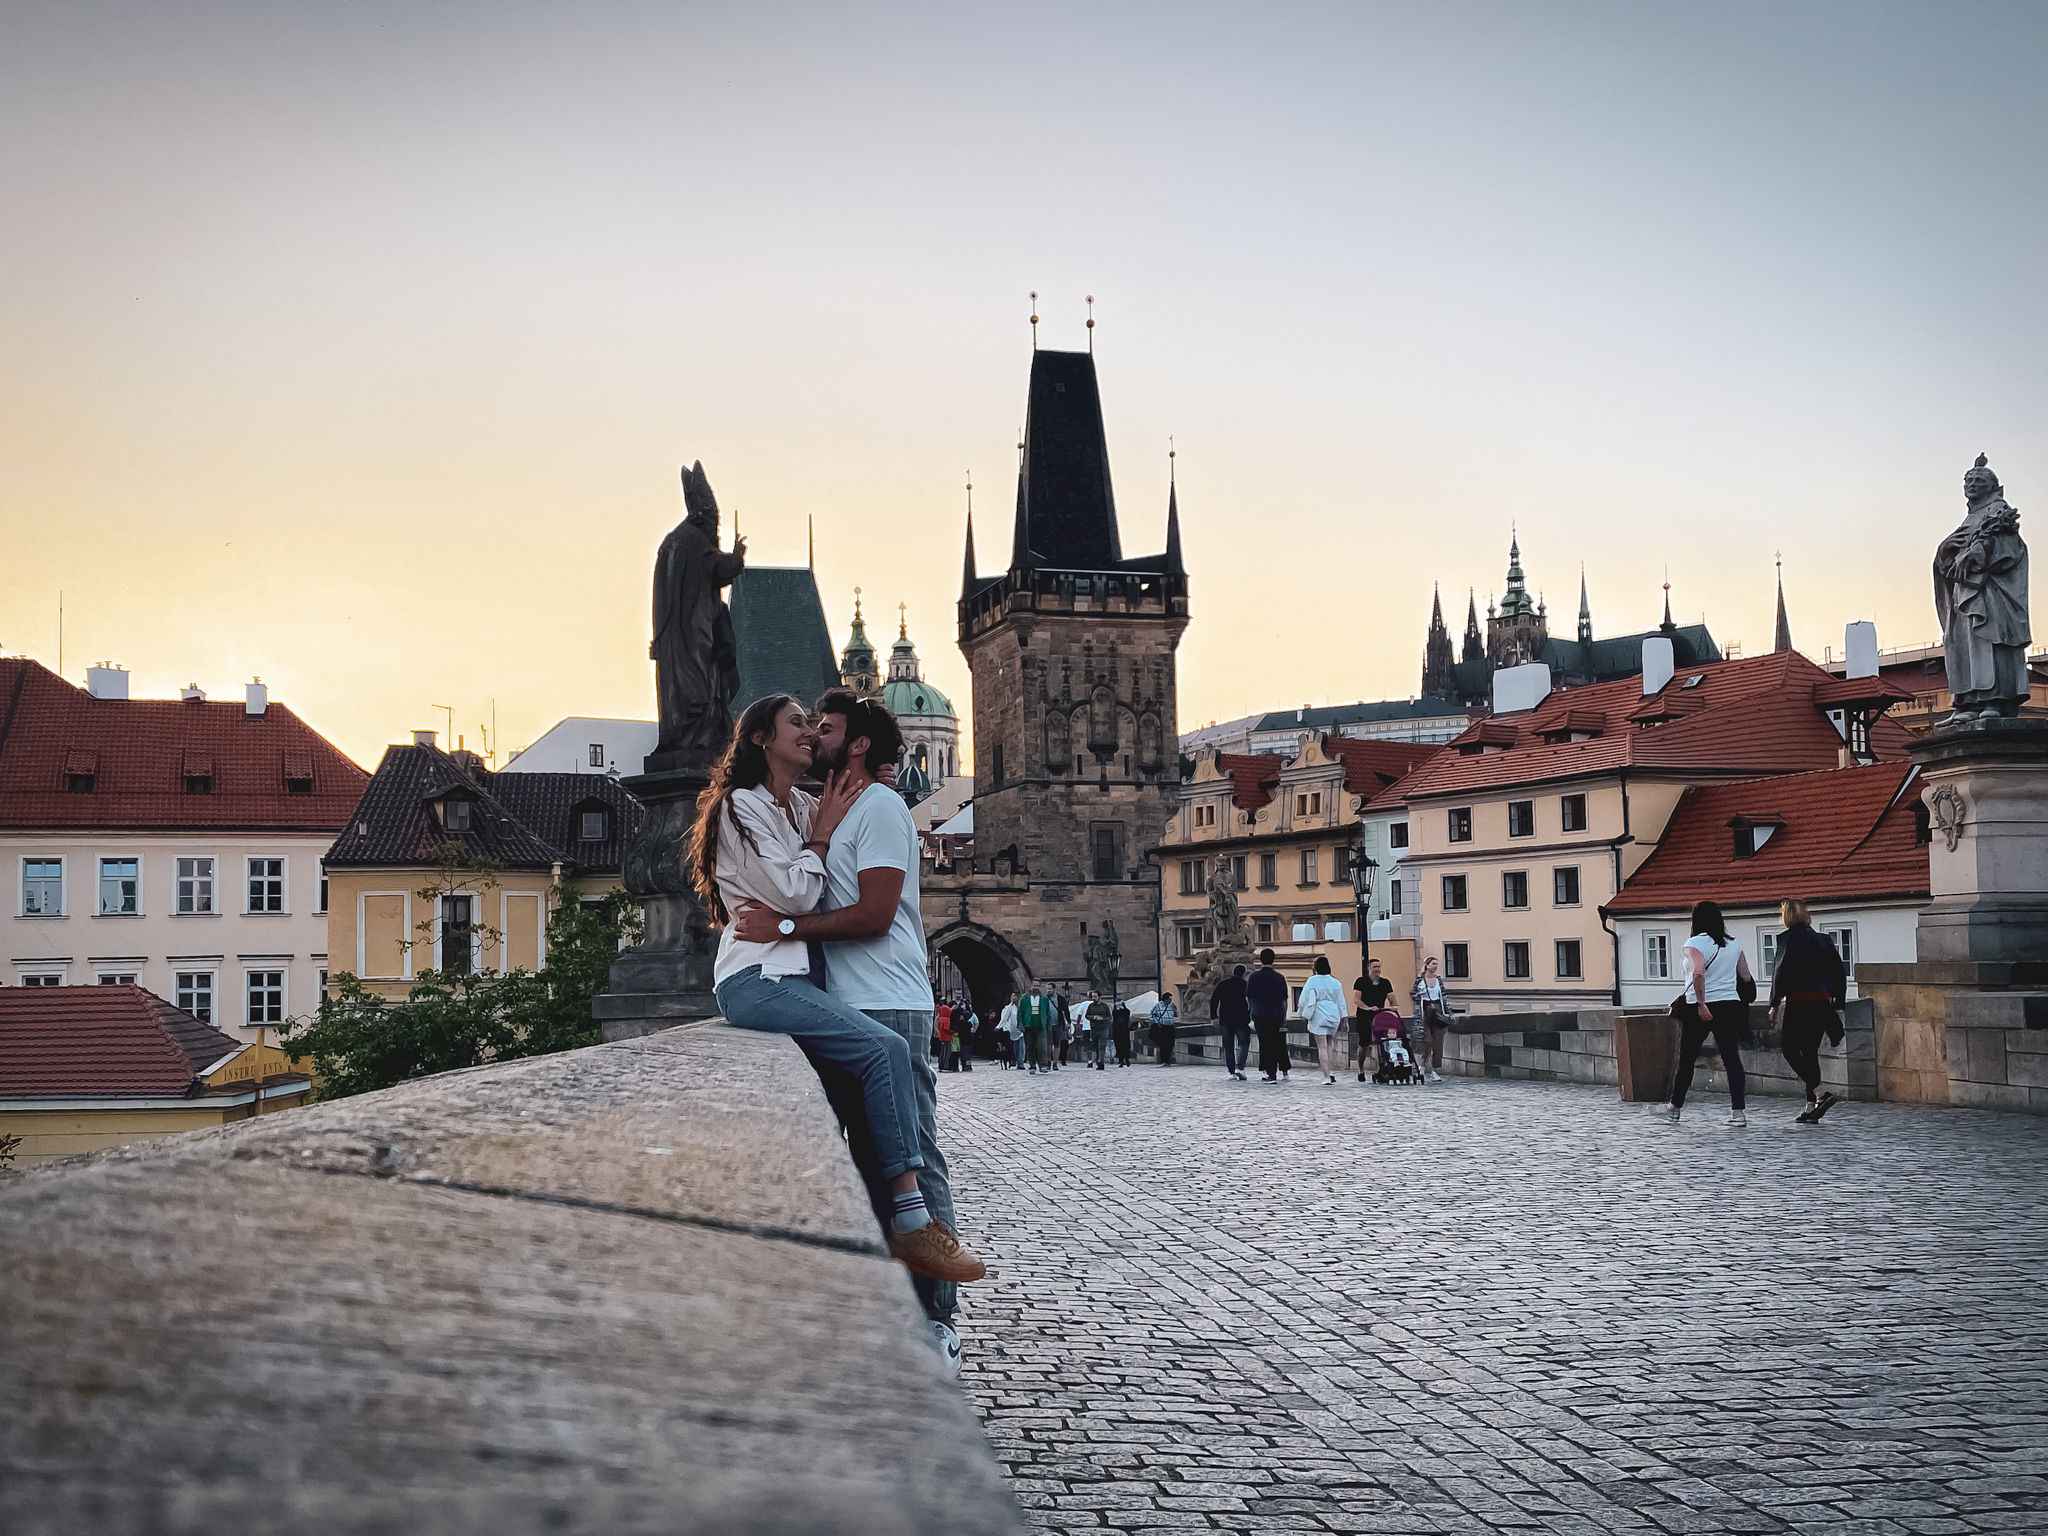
(1488, 1306)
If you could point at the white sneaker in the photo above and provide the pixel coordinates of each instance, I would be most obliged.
(1672, 1112)
(1327, 1080)
(1738, 1119)
(949, 1349)
(1436, 1077)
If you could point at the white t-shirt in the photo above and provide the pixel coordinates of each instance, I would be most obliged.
(1721, 965)
(888, 972)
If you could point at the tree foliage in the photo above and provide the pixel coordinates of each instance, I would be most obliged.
(359, 1041)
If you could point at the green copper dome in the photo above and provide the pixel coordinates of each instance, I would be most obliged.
(909, 698)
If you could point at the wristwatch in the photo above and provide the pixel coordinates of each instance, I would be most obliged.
(786, 927)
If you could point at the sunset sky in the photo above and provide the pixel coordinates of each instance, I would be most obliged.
(358, 346)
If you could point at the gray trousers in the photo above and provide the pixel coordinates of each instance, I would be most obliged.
(940, 1298)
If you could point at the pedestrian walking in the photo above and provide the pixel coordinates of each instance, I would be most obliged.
(1061, 1030)
(1810, 986)
(1715, 1002)
(1097, 1017)
(1013, 1034)
(1369, 995)
(964, 1026)
(1120, 1030)
(942, 1038)
(1433, 1012)
(1035, 1014)
(1266, 993)
(1322, 1008)
(1233, 1014)
(1163, 1021)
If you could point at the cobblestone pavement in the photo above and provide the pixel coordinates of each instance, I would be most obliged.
(1484, 1306)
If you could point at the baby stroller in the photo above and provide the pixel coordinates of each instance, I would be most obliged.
(1396, 1061)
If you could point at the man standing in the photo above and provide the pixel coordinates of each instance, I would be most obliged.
(1035, 1014)
(1233, 1011)
(1266, 991)
(1120, 1027)
(1369, 995)
(1012, 1033)
(1164, 1027)
(873, 935)
(1097, 1014)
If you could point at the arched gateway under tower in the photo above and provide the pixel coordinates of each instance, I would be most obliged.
(1076, 768)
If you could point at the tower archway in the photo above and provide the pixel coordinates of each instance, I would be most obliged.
(986, 963)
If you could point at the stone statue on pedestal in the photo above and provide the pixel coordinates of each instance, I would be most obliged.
(696, 663)
(665, 979)
(1980, 596)
(1232, 947)
(1104, 959)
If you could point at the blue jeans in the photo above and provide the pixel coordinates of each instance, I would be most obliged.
(1237, 1046)
(940, 1298)
(829, 1030)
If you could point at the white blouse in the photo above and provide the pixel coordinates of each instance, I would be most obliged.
(777, 872)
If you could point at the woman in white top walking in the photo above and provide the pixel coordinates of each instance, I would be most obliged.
(760, 840)
(1322, 1008)
(1713, 1004)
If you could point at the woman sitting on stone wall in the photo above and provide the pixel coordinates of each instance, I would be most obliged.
(761, 840)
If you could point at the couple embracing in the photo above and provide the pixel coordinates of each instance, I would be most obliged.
(787, 876)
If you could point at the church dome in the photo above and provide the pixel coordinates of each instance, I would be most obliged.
(911, 698)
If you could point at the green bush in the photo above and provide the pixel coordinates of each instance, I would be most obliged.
(359, 1041)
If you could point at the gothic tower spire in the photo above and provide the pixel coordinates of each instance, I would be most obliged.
(1585, 611)
(1439, 681)
(1781, 639)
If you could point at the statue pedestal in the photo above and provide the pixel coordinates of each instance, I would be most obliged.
(665, 979)
(1987, 794)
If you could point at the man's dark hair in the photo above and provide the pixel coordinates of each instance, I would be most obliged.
(1322, 965)
(870, 718)
(1265, 957)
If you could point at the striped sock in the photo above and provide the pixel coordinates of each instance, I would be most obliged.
(907, 1212)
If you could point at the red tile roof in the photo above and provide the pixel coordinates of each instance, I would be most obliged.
(1252, 777)
(1845, 834)
(1756, 715)
(102, 1042)
(1372, 766)
(140, 751)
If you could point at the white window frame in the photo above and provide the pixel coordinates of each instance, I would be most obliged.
(320, 870)
(63, 882)
(283, 973)
(40, 978)
(1767, 949)
(180, 992)
(1656, 954)
(283, 878)
(1578, 879)
(178, 878)
(1833, 931)
(1514, 874)
(99, 863)
(1528, 960)
(114, 978)
(585, 835)
(1311, 866)
(476, 924)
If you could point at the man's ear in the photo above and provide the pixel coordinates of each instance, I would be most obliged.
(858, 747)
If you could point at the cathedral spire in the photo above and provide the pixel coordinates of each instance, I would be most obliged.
(1439, 680)
(1475, 641)
(1516, 599)
(968, 581)
(1173, 561)
(1585, 611)
(1781, 639)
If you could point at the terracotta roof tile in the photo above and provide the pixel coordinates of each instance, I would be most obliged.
(1371, 766)
(1252, 777)
(1843, 834)
(139, 753)
(1755, 715)
(102, 1042)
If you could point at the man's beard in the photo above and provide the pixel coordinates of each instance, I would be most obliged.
(825, 761)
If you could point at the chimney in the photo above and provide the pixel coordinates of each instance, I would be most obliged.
(1657, 664)
(1518, 688)
(1859, 645)
(107, 681)
(192, 693)
(423, 738)
(255, 699)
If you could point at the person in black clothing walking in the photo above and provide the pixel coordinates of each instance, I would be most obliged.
(1231, 1007)
(1369, 994)
(1120, 1031)
(1266, 991)
(1810, 985)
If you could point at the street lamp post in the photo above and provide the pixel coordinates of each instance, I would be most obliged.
(1362, 867)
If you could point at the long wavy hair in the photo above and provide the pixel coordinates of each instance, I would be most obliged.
(742, 765)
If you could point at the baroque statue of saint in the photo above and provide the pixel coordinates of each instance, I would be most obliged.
(696, 663)
(1980, 596)
(1103, 960)
(1223, 918)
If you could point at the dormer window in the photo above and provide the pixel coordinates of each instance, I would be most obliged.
(81, 768)
(1751, 833)
(198, 783)
(78, 783)
(298, 773)
(455, 815)
(593, 826)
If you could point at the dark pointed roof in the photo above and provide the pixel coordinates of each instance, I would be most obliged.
(1173, 561)
(968, 581)
(780, 635)
(1066, 509)
(1781, 640)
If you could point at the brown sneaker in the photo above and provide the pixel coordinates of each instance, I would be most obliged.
(935, 1253)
